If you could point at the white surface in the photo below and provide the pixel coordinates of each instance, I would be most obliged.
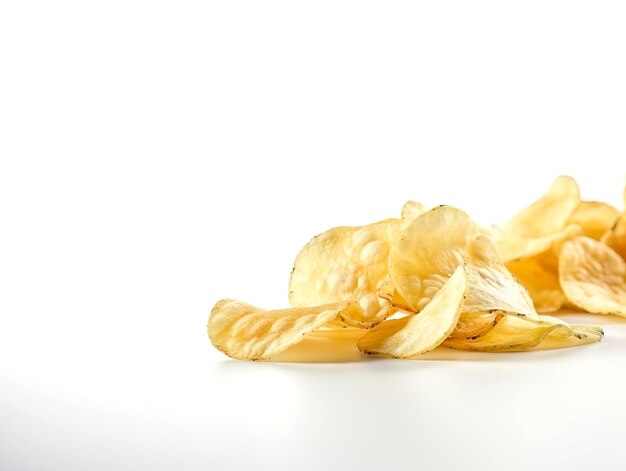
(157, 157)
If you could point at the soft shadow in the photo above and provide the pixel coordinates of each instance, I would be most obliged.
(324, 346)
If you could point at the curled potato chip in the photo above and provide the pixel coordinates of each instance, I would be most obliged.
(563, 330)
(432, 246)
(593, 276)
(413, 335)
(539, 275)
(549, 214)
(512, 334)
(594, 217)
(245, 332)
(344, 264)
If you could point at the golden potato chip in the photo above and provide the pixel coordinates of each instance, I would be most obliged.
(616, 236)
(512, 334)
(245, 332)
(593, 333)
(432, 246)
(511, 247)
(387, 290)
(541, 279)
(583, 335)
(411, 210)
(593, 276)
(549, 214)
(344, 264)
(413, 335)
(594, 218)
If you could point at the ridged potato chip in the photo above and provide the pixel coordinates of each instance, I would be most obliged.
(594, 217)
(432, 246)
(245, 332)
(413, 335)
(344, 264)
(593, 276)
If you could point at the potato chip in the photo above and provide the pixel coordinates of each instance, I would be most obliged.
(583, 335)
(245, 332)
(549, 214)
(594, 218)
(387, 290)
(565, 330)
(432, 246)
(344, 264)
(539, 275)
(616, 236)
(413, 335)
(512, 334)
(593, 276)
(511, 247)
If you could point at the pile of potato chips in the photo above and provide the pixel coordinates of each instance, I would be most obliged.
(435, 278)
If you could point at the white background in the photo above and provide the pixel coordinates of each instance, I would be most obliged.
(158, 156)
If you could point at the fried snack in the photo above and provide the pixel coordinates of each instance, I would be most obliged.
(245, 332)
(345, 264)
(430, 249)
(512, 334)
(435, 278)
(616, 236)
(593, 276)
(413, 335)
(594, 218)
(539, 275)
(514, 248)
